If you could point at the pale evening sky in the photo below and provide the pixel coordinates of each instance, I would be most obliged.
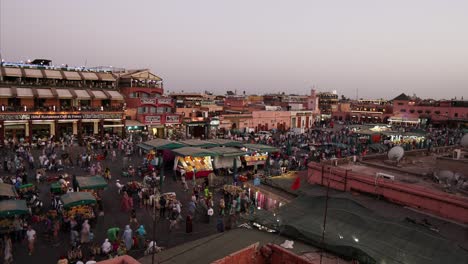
(382, 48)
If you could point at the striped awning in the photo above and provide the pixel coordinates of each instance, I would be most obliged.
(90, 76)
(64, 94)
(51, 74)
(33, 73)
(99, 95)
(5, 92)
(45, 93)
(107, 77)
(13, 72)
(72, 76)
(24, 93)
(82, 94)
(115, 95)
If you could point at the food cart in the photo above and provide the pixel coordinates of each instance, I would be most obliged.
(81, 203)
(8, 210)
(7, 191)
(163, 145)
(190, 159)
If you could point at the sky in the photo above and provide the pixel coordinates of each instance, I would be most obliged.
(360, 48)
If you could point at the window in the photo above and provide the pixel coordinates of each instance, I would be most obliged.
(400, 103)
(402, 110)
(411, 111)
(428, 111)
(141, 110)
(456, 114)
(38, 102)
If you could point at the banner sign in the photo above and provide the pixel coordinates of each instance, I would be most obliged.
(59, 116)
(148, 100)
(173, 119)
(154, 119)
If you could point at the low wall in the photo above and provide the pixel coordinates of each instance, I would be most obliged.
(438, 203)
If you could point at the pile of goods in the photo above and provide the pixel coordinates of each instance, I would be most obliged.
(6, 225)
(233, 189)
(199, 163)
(85, 211)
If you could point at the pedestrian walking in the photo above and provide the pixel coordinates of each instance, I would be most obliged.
(31, 235)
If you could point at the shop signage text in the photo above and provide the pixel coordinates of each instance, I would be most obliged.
(58, 116)
(173, 119)
(148, 100)
(154, 119)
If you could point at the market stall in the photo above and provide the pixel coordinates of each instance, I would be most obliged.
(93, 185)
(163, 146)
(225, 157)
(197, 143)
(81, 203)
(257, 154)
(189, 159)
(8, 210)
(7, 191)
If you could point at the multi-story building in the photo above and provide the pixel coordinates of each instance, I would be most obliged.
(327, 103)
(39, 101)
(448, 112)
(146, 106)
(363, 111)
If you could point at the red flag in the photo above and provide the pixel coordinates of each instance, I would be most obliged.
(296, 184)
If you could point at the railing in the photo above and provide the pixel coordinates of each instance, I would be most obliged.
(21, 109)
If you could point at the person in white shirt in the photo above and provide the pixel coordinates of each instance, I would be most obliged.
(31, 235)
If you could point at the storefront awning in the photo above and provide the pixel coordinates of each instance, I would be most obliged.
(33, 73)
(115, 95)
(90, 76)
(24, 93)
(130, 123)
(72, 76)
(82, 94)
(107, 77)
(64, 94)
(194, 152)
(13, 72)
(199, 143)
(161, 144)
(44, 93)
(261, 148)
(5, 92)
(99, 95)
(51, 74)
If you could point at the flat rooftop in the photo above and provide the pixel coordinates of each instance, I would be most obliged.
(419, 169)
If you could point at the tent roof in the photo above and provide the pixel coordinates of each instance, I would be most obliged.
(226, 142)
(77, 198)
(7, 190)
(199, 143)
(161, 144)
(13, 207)
(194, 152)
(91, 182)
(355, 231)
(261, 147)
(227, 151)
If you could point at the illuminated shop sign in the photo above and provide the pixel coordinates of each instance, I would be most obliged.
(155, 119)
(59, 116)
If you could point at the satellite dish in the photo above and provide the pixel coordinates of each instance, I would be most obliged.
(396, 153)
(464, 141)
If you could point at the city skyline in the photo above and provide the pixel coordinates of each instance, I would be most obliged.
(380, 49)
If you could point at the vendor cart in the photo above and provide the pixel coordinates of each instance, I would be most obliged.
(91, 183)
(78, 203)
